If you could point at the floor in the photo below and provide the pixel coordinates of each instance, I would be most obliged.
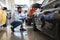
(29, 34)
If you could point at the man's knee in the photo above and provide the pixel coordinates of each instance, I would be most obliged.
(16, 23)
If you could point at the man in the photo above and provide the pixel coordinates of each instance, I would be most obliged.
(34, 9)
(2, 16)
(18, 17)
(5, 9)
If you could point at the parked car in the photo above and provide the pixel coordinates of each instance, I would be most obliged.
(50, 26)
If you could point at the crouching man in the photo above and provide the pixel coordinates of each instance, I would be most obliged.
(18, 18)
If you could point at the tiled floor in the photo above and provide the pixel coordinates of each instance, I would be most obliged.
(29, 34)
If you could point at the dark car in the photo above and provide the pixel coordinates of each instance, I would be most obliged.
(48, 19)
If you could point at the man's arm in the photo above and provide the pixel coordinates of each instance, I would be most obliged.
(23, 16)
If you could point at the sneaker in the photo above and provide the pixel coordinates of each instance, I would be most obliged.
(12, 29)
(22, 29)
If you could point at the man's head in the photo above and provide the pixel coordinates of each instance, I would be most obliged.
(4, 8)
(19, 9)
(36, 6)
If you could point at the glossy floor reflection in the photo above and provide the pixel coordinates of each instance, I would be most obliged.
(19, 36)
(29, 34)
(3, 35)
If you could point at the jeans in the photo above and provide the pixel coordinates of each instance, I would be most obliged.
(16, 23)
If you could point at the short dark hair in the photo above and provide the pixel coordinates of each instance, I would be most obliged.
(36, 5)
(4, 8)
(19, 7)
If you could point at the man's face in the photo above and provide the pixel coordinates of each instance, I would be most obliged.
(19, 10)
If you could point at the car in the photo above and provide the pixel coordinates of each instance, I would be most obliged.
(48, 29)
